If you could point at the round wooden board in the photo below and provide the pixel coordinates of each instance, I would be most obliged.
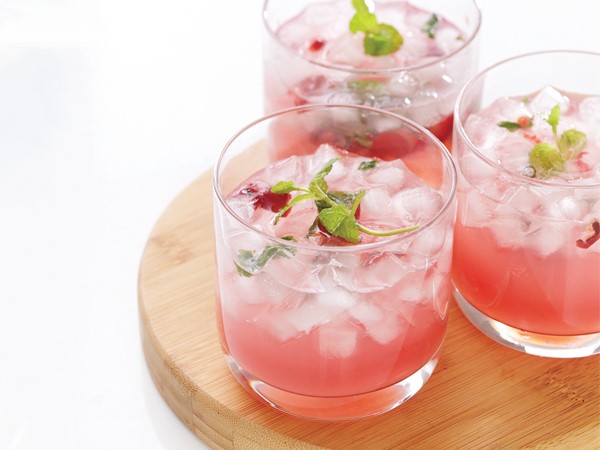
(481, 395)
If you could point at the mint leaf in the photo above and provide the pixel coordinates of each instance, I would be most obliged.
(546, 160)
(553, 118)
(249, 264)
(571, 143)
(318, 185)
(430, 27)
(382, 40)
(364, 84)
(367, 165)
(292, 202)
(510, 126)
(284, 187)
(339, 221)
(340, 198)
(363, 21)
(336, 212)
(360, 5)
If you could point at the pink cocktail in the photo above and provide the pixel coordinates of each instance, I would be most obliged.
(335, 308)
(527, 237)
(313, 53)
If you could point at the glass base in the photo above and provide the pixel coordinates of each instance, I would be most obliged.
(335, 408)
(526, 342)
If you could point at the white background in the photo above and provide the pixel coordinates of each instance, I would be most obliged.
(107, 110)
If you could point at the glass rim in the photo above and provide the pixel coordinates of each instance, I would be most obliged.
(463, 133)
(390, 70)
(350, 248)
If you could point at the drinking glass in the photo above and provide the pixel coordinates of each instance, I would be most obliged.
(521, 274)
(310, 56)
(327, 329)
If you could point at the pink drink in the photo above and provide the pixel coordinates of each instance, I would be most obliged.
(312, 57)
(517, 259)
(322, 327)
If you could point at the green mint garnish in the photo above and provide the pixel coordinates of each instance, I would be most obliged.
(548, 159)
(510, 126)
(249, 263)
(522, 122)
(430, 27)
(367, 165)
(571, 143)
(553, 118)
(339, 221)
(380, 39)
(459, 37)
(336, 210)
(364, 84)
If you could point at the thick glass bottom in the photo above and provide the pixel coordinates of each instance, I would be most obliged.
(335, 408)
(526, 342)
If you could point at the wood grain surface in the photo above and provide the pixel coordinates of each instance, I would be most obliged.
(481, 395)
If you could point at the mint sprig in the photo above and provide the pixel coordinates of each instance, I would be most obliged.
(249, 263)
(367, 165)
(380, 39)
(336, 210)
(548, 159)
(430, 27)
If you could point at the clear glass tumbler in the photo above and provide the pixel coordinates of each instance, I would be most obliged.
(526, 261)
(311, 56)
(314, 324)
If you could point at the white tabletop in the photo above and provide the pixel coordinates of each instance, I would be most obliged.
(107, 110)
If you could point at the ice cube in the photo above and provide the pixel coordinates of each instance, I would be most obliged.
(523, 199)
(547, 99)
(366, 313)
(473, 208)
(390, 176)
(280, 329)
(548, 238)
(375, 204)
(346, 50)
(508, 230)
(373, 274)
(417, 205)
(475, 169)
(337, 339)
(386, 330)
(413, 289)
(382, 327)
(589, 110)
(305, 316)
(318, 309)
(297, 271)
(429, 242)
(569, 208)
(297, 221)
(440, 282)
(335, 301)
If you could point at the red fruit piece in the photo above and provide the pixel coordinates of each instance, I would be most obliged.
(524, 121)
(316, 45)
(260, 196)
(443, 129)
(387, 146)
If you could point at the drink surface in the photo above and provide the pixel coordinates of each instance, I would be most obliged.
(427, 71)
(325, 318)
(520, 256)
(327, 24)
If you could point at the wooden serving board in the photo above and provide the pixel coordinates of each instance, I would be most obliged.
(481, 395)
